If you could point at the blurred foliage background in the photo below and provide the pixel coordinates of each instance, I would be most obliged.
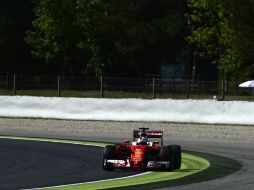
(213, 39)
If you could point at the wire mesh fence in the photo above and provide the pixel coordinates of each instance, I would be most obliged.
(112, 87)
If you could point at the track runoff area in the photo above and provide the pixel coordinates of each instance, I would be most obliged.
(195, 167)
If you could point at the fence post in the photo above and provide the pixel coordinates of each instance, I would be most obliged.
(154, 96)
(226, 87)
(59, 86)
(223, 89)
(187, 88)
(14, 85)
(236, 87)
(174, 84)
(7, 81)
(102, 90)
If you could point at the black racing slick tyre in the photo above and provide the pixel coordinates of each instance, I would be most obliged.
(176, 157)
(173, 154)
(166, 155)
(108, 153)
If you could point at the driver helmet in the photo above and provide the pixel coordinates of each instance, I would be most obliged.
(143, 137)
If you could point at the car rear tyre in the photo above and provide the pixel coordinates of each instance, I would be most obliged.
(108, 154)
(176, 156)
(173, 154)
(166, 156)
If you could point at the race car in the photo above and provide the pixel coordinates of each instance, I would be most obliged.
(142, 153)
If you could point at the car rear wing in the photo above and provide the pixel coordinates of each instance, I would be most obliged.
(150, 134)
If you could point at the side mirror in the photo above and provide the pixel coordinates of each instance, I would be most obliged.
(126, 141)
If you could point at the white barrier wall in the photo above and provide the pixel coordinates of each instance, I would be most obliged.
(168, 110)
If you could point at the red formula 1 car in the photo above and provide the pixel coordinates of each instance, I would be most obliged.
(142, 153)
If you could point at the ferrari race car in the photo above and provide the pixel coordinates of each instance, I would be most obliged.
(142, 153)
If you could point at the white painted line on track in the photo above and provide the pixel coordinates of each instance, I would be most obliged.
(54, 141)
(105, 180)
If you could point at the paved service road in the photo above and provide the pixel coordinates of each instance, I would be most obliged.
(31, 164)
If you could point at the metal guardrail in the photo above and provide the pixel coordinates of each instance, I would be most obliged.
(103, 86)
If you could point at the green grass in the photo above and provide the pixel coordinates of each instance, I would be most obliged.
(97, 94)
(219, 167)
(119, 94)
(5, 92)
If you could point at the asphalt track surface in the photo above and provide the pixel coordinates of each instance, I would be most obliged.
(31, 164)
(242, 151)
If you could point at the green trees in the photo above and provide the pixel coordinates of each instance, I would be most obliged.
(125, 37)
(15, 19)
(135, 37)
(221, 34)
(56, 34)
(111, 37)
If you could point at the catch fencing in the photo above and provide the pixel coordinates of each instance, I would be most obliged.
(113, 87)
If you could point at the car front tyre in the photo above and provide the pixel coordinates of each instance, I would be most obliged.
(108, 154)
